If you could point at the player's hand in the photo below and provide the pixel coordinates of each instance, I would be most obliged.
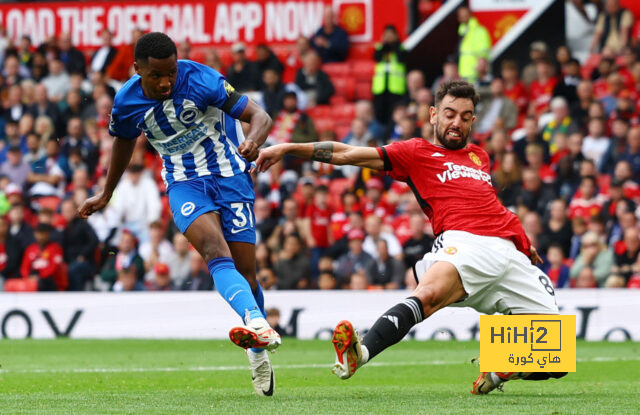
(535, 258)
(93, 204)
(249, 150)
(269, 156)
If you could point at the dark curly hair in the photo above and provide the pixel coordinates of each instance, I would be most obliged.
(458, 89)
(154, 45)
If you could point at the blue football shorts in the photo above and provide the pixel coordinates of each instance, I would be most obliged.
(230, 197)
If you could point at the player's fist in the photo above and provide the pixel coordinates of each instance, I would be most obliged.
(249, 150)
(93, 204)
(269, 156)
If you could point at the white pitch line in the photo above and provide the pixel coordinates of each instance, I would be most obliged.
(278, 367)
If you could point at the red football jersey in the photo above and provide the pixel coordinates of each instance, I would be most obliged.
(453, 188)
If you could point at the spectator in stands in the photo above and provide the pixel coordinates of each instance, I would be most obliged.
(268, 279)
(514, 88)
(72, 58)
(330, 41)
(102, 58)
(242, 74)
(389, 79)
(121, 67)
(415, 82)
(292, 267)
(264, 256)
(42, 261)
(179, 260)
(43, 107)
(595, 260)
(449, 73)
(541, 89)
(13, 108)
(496, 110)
(272, 92)
(385, 271)
(327, 281)
(265, 222)
(79, 243)
(626, 257)
(615, 88)
(19, 229)
(319, 237)
(555, 267)
(373, 202)
(11, 72)
(568, 167)
(10, 251)
(155, 250)
(557, 229)
(39, 67)
(632, 150)
(77, 139)
(537, 50)
(294, 61)
(373, 226)
(266, 59)
(560, 123)
(47, 178)
(24, 51)
(358, 281)
(314, 81)
(419, 244)
(15, 168)
(161, 280)
(127, 280)
(535, 195)
(290, 222)
(507, 179)
(355, 259)
(531, 136)
(198, 279)
(364, 111)
(586, 202)
(579, 110)
(126, 258)
(359, 134)
(212, 60)
(57, 81)
(292, 124)
(136, 201)
(568, 83)
(596, 143)
(613, 28)
(534, 155)
(475, 43)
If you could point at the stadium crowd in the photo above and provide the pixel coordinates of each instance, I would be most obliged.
(564, 140)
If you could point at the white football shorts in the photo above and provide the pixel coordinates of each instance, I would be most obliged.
(496, 276)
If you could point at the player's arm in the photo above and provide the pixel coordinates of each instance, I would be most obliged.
(259, 127)
(120, 158)
(331, 152)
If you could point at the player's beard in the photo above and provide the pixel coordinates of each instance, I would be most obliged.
(451, 144)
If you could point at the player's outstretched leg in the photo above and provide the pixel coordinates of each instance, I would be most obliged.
(389, 329)
(264, 381)
(488, 381)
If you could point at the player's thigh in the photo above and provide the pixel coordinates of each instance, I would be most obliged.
(525, 289)
(438, 286)
(205, 234)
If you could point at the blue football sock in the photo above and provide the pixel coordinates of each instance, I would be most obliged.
(233, 287)
(257, 294)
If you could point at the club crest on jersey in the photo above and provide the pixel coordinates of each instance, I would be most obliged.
(187, 208)
(189, 115)
(474, 157)
(451, 250)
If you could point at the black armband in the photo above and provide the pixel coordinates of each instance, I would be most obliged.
(234, 97)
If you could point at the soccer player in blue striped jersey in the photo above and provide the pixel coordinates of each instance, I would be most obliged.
(191, 116)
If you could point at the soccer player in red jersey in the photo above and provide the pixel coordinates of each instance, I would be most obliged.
(481, 257)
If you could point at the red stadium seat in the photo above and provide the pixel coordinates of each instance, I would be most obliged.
(225, 56)
(362, 70)
(342, 131)
(363, 91)
(16, 285)
(592, 61)
(319, 111)
(359, 51)
(324, 124)
(281, 52)
(344, 86)
(49, 202)
(337, 69)
(337, 100)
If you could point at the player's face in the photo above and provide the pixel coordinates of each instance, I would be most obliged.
(158, 76)
(452, 120)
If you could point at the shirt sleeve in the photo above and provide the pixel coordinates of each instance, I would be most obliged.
(398, 158)
(219, 93)
(122, 126)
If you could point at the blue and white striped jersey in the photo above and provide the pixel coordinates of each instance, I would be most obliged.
(189, 129)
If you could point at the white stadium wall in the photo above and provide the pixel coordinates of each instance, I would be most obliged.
(601, 314)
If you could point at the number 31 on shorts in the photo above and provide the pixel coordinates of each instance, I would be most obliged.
(242, 218)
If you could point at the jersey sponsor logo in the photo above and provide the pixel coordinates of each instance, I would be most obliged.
(457, 171)
(451, 250)
(187, 208)
(474, 157)
(185, 141)
(436, 154)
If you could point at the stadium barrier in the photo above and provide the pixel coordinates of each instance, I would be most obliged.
(601, 314)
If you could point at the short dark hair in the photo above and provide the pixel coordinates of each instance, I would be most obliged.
(154, 45)
(457, 89)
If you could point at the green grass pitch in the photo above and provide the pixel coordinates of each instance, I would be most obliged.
(183, 377)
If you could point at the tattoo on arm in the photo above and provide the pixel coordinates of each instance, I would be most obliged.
(322, 152)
